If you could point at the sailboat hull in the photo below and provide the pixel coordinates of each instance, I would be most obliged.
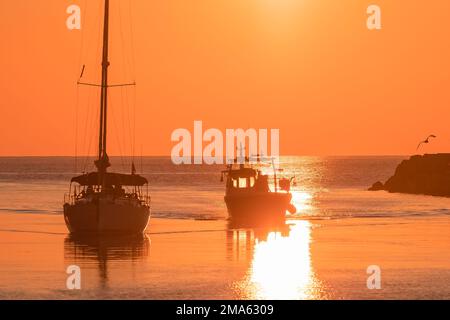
(105, 216)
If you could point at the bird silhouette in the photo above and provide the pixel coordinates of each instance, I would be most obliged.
(427, 140)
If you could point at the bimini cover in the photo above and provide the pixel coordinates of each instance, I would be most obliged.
(116, 179)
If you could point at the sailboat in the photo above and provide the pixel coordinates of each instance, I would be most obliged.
(102, 201)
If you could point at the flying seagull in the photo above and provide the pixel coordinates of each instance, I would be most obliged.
(427, 140)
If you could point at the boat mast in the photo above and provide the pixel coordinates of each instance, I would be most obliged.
(274, 175)
(102, 163)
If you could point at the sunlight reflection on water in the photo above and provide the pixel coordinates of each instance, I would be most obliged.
(303, 202)
(280, 266)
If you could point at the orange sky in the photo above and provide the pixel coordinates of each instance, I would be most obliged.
(308, 67)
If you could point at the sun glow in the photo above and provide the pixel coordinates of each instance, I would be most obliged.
(302, 201)
(281, 266)
(281, 5)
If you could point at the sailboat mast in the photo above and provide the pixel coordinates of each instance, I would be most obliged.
(102, 155)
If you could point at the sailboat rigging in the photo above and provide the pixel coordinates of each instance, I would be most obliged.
(100, 203)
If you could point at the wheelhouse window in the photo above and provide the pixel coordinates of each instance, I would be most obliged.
(242, 183)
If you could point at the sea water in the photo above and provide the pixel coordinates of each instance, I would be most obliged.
(190, 252)
(325, 187)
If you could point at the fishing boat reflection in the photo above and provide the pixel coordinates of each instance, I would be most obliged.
(279, 262)
(241, 239)
(104, 250)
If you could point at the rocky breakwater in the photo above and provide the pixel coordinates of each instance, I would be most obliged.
(428, 174)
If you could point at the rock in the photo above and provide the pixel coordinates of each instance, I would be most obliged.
(377, 186)
(428, 174)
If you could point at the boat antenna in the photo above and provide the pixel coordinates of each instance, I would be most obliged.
(274, 174)
(82, 71)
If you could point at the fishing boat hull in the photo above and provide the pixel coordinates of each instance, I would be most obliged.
(105, 216)
(258, 208)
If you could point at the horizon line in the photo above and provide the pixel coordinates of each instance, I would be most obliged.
(168, 156)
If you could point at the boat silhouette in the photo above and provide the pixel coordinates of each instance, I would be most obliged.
(102, 201)
(248, 197)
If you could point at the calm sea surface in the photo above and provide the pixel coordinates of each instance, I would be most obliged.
(190, 252)
(326, 187)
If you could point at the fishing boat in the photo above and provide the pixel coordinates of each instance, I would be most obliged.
(249, 198)
(102, 201)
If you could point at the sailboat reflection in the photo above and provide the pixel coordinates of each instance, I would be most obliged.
(83, 250)
(280, 262)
